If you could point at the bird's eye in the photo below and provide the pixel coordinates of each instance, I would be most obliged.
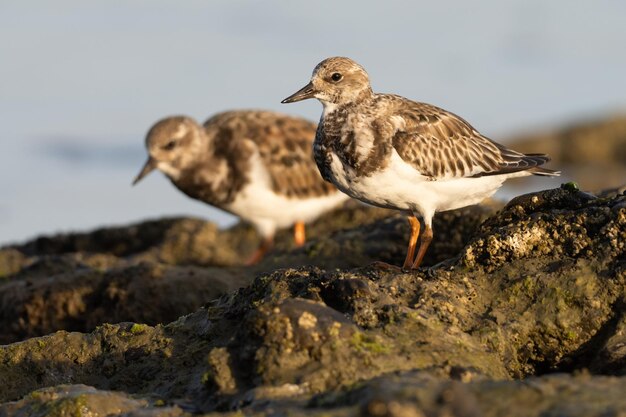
(169, 145)
(336, 77)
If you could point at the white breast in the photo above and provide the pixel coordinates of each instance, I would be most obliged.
(400, 186)
(258, 204)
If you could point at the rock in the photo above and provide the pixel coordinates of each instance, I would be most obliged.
(11, 261)
(175, 241)
(557, 222)
(82, 400)
(419, 394)
(114, 275)
(525, 317)
(403, 395)
(35, 303)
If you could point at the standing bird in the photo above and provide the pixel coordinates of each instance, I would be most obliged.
(392, 152)
(254, 164)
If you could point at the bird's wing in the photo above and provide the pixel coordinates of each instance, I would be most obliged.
(440, 144)
(284, 144)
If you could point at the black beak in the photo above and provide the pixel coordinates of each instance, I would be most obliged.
(308, 91)
(147, 168)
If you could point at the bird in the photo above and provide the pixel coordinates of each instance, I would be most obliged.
(255, 164)
(392, 152)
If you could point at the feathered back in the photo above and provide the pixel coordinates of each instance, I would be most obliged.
(283, 142)
(441, 144)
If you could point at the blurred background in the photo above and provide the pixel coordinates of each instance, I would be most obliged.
(81, 83)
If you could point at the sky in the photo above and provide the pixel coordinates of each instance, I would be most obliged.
(82, 82)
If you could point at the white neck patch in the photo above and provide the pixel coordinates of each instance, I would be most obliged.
(328, 108)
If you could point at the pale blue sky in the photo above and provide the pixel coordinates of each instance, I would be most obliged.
(81, 82)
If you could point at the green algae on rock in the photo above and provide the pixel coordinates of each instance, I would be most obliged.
(81, 400)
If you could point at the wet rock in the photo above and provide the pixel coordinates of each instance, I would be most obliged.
(11, 262)
(554, 223)
(557, 261)
(175, 241)
(539, 289)
(243, 348)
(45, 299)
(71, 400)
(609, 355)
(420, 394)
(53, 288)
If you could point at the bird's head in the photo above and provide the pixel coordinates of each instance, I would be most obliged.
(335, 81)
(171, 145)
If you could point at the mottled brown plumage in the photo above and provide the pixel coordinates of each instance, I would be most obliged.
(284, 143)
(396, 153)
(440, 144)
(255, 164)
(437, 143)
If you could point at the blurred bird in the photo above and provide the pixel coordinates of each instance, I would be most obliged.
(254, 164)
(392, 152)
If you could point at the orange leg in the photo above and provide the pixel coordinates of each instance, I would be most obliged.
(427, 237)
(410, 253)
(299, 233)
(258, 254)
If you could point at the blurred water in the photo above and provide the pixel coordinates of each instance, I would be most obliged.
(81, 82)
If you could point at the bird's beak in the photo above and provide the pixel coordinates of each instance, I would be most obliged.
(147, 168)
(308, 91)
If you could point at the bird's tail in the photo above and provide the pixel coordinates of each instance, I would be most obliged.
(540, 159)
(544, 172)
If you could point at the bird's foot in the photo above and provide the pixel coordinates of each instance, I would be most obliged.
(299, 234)
(259, 253)
(254, 258)
(430, 272)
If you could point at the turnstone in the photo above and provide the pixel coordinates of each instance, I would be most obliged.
(392, 152)
(254, 164)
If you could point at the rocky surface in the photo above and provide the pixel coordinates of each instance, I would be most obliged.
(523, 313)
(156, 271)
